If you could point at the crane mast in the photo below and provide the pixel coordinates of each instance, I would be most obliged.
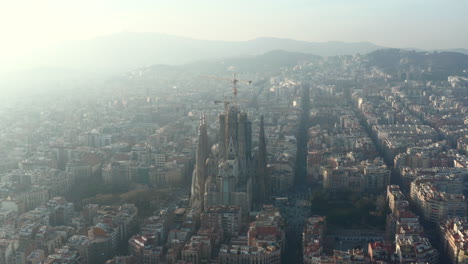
(234, 81)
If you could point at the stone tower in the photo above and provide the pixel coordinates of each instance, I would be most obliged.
(236, 129)
(200, 172)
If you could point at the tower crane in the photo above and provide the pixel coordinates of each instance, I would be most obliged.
(234, 82)
(226, 103)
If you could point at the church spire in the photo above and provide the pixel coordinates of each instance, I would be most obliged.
(199, 173)
(204, 133)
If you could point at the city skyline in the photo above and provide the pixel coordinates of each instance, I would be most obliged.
(254, 138)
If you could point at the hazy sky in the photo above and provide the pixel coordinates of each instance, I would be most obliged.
(26, 25)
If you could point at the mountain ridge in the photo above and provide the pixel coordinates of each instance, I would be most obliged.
(129, 50)
(123, 51)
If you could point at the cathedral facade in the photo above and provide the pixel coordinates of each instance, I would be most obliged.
(228, 174)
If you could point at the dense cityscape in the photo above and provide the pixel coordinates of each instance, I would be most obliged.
(305, 159)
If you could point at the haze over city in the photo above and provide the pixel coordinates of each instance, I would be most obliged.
(32, 27)
(233, 132)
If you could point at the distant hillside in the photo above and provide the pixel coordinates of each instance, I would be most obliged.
(422, 65)
(425, 65)
(464, 51)
(125, 51)
(331, 48)
(271, 61)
